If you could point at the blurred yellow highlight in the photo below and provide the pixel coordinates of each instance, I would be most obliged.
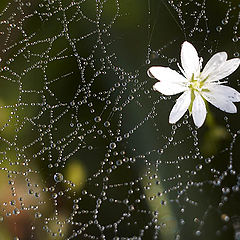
(76, 173)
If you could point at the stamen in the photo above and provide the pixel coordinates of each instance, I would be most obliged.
(180, 68)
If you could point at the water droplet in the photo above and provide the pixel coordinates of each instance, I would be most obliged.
(219, 28)
(58, 177)
(38, 215)
(16, 211)
(107, 124)
(225, 218)
(224, 21)
(112, 145)
(13, 202)
(235, 38)
(97, 119)
(226, 190)
(75, 207)
(198, 233)
(148, 61)
(119, 162)
(199, 167)
(236, 54)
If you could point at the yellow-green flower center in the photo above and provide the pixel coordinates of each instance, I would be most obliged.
(196, 83)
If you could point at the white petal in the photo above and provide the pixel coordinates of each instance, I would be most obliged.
(225, 69)
(165, 74)
(199, 111)
(190, 60)
(214, 62)
(220, 101)
(180, 107)
(169, 88)
(225, 92)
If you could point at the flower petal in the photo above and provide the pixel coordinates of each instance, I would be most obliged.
(165, 74)
(214, 62)
(190, 60)
(224, 70)
(219, 101)
(169, 88)
(199, 111)
(180, 107)
(225, 92)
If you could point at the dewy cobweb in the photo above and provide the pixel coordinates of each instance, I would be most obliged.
(86, 149)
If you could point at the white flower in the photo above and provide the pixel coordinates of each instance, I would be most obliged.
(197, 86)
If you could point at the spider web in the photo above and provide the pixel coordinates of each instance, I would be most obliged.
(86, 149)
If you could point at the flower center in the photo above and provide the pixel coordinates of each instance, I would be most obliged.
(196, 83)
